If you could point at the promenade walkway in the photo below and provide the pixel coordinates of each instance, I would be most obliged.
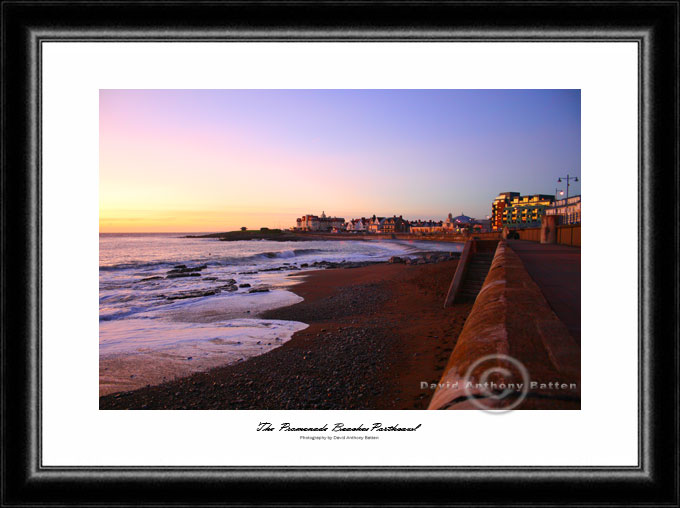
(556, 269)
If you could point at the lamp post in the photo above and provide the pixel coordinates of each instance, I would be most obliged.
(558, 193)
(567, 178)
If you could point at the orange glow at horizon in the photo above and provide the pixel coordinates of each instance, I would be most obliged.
(188, 221)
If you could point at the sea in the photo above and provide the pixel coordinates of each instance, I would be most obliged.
(155, 325)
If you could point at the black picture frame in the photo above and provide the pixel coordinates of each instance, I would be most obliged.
(653, 25)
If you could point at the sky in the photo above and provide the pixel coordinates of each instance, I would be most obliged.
(217, 160)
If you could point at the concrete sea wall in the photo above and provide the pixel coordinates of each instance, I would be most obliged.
(566, 235)
(510, 318)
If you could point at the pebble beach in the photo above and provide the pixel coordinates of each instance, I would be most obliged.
(375, 333)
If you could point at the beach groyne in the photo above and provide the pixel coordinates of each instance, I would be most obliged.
(510, 318)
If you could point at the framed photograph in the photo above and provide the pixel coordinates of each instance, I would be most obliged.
(331, 253)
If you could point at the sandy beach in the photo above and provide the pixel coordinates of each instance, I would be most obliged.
(375, 333)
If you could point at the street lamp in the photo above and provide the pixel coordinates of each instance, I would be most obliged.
(558, 193)
(567, 178)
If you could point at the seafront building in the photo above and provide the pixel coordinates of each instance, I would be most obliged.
(394, 225)
(428, 226)
(319, 223)
(390, 225)
(526, 211)
(504, 199)
(514, 211)
(568, 210)
(374, 224)
(459, 223)
(357, 225)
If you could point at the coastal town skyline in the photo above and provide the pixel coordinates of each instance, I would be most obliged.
(213, 160)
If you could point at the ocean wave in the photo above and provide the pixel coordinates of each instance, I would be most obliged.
(212, 261)
(112, 316)
(285, 254)
(137, 265)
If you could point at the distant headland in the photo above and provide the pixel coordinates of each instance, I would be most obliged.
(276, 235)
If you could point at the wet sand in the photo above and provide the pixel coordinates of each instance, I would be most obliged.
(375, 333)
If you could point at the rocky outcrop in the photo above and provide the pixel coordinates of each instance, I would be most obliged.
(155, 277)
(179, 275)
(184, 269)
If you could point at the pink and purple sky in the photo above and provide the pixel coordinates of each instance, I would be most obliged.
(216, 160)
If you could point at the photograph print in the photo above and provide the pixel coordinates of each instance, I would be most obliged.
(339, 249)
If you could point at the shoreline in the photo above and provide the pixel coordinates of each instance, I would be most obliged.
(298, 236)
(374, 334)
